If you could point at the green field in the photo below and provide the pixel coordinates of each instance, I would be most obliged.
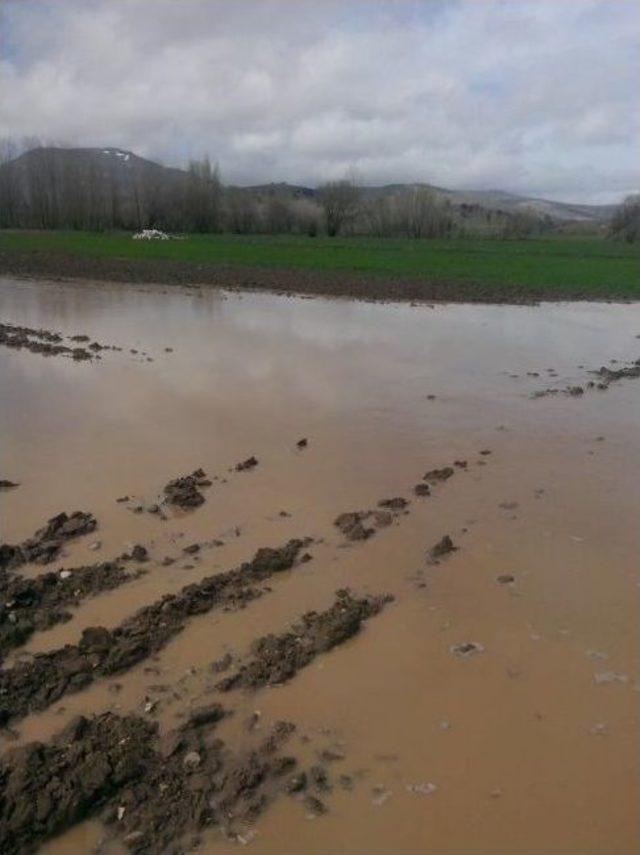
(573, 265)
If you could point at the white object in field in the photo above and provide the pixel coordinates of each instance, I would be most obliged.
(151, 234)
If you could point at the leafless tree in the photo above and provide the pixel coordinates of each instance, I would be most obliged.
(339, 200)
(625, 224)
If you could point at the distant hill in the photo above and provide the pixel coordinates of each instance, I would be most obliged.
(495, 200)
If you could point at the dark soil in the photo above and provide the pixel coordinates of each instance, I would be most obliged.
(441, 549)
(183, 492)
(605, 376)
(35, 685)
(245, 465)
(60, 265)
(47, 542)
(153, 793)
(30, 605)
(49, 343)
(361, 525)
(277, 658)
(435, 476)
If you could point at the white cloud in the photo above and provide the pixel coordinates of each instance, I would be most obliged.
(533, 96)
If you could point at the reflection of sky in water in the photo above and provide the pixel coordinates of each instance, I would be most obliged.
(243, 362)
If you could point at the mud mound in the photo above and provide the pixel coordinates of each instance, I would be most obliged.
(183, 492)
(277, 658)
(150, 792)
(442, 548)
(352, 523)
(101, 652)
(45, 342)
(30, 605)
(46, 543)
(435, 476)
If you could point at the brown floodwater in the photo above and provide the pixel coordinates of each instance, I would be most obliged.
(527, 752)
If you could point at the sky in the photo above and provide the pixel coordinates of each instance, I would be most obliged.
(538, 97)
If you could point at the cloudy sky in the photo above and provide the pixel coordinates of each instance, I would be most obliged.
(533, 96)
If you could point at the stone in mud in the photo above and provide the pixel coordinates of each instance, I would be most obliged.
(278, 658)
(422, 490)
(302, 443)
(7, 485)
(114, 767)
(506, 579)
(442, 548)
(434, 476)
(460, 464)
(45, 545)
(35, 685)
(249, 463)
(183, 492)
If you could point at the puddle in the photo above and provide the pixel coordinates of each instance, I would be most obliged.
(383, 394)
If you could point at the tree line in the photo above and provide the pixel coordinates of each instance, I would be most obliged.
(55, 187)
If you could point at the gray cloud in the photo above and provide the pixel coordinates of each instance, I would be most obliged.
(535, 97)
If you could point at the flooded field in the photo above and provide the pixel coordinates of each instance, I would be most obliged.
(490, 708)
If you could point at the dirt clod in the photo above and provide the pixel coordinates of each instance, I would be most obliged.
(277, 658)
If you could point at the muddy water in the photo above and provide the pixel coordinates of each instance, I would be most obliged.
(527, 752)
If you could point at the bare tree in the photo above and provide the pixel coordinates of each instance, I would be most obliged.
(339, 200)
(203, 197)
(521, 225)
(625, 224)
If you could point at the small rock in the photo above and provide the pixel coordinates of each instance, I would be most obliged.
(466, 649)
(191, 760)
(424, 788)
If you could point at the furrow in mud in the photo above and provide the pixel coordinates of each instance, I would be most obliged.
(278, 658)
(151, 792)
(32, 686)
(32, 605)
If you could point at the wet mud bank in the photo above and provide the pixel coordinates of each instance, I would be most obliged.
(154, 793)
(504, 530)
(37, 604)
(36, 684)
(275, 659)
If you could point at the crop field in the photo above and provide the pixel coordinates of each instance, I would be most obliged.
(573, 266)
